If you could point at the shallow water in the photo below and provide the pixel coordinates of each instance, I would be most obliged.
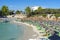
(9, 31)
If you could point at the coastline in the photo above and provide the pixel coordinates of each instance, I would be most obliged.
(30, 31)
(29, 25)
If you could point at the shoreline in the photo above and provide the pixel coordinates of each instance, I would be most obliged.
(29, 25)
(31, 31)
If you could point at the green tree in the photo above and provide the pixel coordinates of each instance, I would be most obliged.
(18, 12)
(39, 10)
(28, 11)
(1, 13)
(5, 10)
(50, 11)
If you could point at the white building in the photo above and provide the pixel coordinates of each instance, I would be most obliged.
(34, 8)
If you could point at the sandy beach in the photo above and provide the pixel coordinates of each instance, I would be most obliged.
(29, 31)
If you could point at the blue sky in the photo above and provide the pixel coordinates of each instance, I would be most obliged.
(22, 4)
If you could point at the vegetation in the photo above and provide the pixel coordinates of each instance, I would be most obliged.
(57, 15)
(43, 12)
(28, 11)
(11, 12)
(4, 11)
(18, 12)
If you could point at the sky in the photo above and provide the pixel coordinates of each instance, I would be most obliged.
(22, 4)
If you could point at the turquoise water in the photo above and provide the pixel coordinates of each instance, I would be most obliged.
(10, 31)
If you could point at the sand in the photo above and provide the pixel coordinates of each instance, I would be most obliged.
(29, 31)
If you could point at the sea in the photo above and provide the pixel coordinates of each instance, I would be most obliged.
(11, 31)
